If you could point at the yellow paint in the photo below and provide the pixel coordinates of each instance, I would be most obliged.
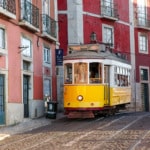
(95, 96)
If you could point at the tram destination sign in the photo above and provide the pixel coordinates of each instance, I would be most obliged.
(59, 57)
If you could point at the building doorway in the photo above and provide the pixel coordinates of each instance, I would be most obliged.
(145, 96)
(26, 95)
(2, 99)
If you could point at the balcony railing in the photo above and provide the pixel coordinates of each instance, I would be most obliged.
(48, 25)
(8, 5)
(30, 13)
(109, 10)
(143, 22)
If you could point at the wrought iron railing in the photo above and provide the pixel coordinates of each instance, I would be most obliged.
(143, 22)
(48, 25)
(30, 13)
(9, 5)
(142, 18)
(109, 9)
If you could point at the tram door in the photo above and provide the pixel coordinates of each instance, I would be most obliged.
(107, 85)
(145, 96)
(2, 102)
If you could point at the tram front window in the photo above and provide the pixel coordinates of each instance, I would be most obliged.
(95, 73)
(68, 73)
(80, 73)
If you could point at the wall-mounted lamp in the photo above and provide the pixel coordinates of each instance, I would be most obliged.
(93, 37)
(23, 47)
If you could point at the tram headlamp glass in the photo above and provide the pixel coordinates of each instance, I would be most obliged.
(80, 97)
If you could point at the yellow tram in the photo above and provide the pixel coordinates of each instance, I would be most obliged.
(95, 82)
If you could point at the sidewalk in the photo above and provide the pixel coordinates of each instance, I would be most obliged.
(27, 125)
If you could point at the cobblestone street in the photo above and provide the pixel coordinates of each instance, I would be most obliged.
(126, 131)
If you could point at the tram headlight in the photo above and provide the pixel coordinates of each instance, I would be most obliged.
(80, 98)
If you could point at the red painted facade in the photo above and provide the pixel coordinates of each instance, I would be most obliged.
(94, 23)
(88, 14)
(12, 61)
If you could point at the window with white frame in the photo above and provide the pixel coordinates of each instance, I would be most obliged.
(144, 74)
(26, 47)
(108, 36)
(47, 55)
(47, 87)
(107, 7)
(143, 43)
(122, 76)
(46, 6)
(2, 38)
(142, 17)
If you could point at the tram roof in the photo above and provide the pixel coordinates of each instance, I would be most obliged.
(94, 54)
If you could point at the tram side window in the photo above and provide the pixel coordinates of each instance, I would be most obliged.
(80, 73)
(95, 73)
(68, 73)
(122, 76)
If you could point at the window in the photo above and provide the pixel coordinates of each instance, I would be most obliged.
(122, 76)
(26, 10)
(46, 7)
(108, 36)
(144, 74)
(142, 12)
(68, 73)
(2, 38)
(95, 72)
(47, 87)
(47, 55)
(143, 43)
(108, 7)
(80, 73)
(26, 47)
(26, 65)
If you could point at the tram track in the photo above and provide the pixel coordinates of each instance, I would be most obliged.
(44, 138)
(119, 131)
(98, 133)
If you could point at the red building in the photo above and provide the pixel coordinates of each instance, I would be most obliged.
(141, 11)
(28, 39)
(119, 23)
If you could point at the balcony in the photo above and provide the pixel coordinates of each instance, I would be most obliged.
(29, 16)
(109, 10)
(48, 27)
(142, 22)
(8, 8)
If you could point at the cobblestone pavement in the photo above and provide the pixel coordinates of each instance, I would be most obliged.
(26, 125)
(127, 131)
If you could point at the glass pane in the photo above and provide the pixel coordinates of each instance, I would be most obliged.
(47, 87)
(68, 73)
(108, 35)
(95, 73)
(80, 73)
(2, 38)
(143, 43)
(46, 7)
(144, 74)
(26, 44)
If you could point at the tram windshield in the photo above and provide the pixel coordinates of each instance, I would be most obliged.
(95, 73)
(82, 73)
(68, 73)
